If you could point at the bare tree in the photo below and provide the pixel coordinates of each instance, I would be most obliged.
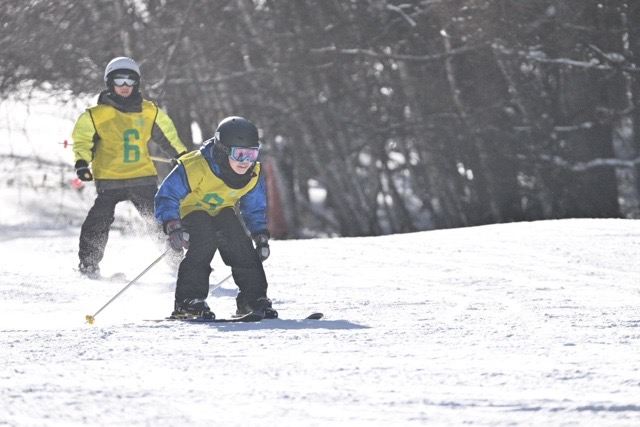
(404, 116)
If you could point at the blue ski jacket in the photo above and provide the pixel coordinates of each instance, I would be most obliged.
(175, 188)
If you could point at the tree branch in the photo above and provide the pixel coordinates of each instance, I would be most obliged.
(399, 10)
(399, 57)
(538, 56)
(584, 166)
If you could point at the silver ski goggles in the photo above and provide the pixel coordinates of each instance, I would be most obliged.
(124, 81)
(244, 154)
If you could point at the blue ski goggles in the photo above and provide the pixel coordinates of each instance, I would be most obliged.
(244, 154)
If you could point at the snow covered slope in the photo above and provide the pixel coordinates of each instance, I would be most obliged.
(516, 324)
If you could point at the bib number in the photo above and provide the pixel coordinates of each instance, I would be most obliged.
(213, 200)
(131, 151)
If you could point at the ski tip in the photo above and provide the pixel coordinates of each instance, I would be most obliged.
(249, 317)
(315, 316)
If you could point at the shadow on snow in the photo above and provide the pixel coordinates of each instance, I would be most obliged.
(280, 324)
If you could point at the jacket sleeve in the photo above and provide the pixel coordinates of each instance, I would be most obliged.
(164, 133)
(83, 138)
(253, 207)
(173, 189)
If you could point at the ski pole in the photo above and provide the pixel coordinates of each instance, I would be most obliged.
(216, 286)
(160, 159)
(90, 319)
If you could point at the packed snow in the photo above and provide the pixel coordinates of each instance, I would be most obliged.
(532, 323)
(514, 324)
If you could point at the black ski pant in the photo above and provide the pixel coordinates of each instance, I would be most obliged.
(222, 232)
(95, 229)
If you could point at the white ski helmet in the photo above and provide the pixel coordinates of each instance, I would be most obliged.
(121, 63)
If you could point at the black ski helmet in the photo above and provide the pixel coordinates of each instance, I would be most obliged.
(237, 131)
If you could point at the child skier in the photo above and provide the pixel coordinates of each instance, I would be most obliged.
(195, 203)
(113, 138)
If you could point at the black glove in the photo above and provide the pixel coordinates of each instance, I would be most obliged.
(262, 244)
(178, 237)
(83, 171)
(174, 161)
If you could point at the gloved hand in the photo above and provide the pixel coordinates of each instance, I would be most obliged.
(83, 171)
(178, 237)
(262, 244)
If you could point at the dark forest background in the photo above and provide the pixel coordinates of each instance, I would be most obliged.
(376, 116)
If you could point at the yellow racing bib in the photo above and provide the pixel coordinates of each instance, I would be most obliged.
(122, 149)
(209, 193)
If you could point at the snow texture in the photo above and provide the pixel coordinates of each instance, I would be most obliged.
(518, 324)
(515, 324)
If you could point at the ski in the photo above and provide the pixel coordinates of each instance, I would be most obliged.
(314, 316)
(247, 318)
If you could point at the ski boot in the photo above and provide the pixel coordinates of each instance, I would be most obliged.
(261, 307)
(90, 271)
(192, 308)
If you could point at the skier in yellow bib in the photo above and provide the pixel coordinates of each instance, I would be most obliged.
(197, 200)
(110, 145)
